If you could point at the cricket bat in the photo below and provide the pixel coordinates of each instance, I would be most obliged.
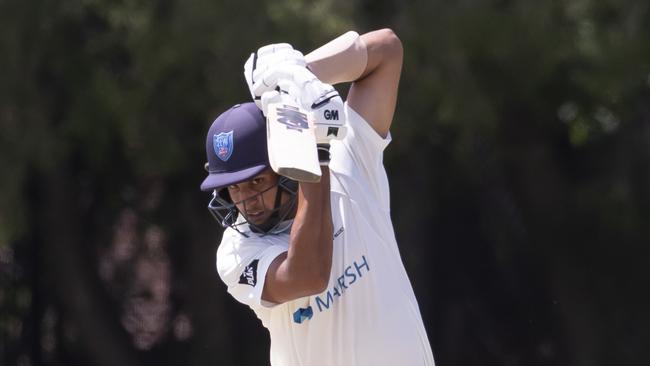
(291, 142)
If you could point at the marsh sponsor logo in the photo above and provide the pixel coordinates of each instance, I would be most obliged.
(351, 275)
(303, 314)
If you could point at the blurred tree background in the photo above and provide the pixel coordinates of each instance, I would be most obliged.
(520, 176)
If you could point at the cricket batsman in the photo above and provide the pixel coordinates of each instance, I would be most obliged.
(317, 261)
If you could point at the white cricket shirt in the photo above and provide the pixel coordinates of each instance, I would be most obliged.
(368, 315)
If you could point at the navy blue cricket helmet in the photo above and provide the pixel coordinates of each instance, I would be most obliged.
(236, 147)
(236, 150)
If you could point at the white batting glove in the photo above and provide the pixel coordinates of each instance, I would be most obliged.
(328, 118)
(321, 100)
(262, 61)
(284, 92)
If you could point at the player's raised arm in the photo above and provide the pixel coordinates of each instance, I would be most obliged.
(305, 268)
(276, 75)
(373, 61)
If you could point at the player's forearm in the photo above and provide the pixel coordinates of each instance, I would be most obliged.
(309, 258)
(351, 57)
(340, 60)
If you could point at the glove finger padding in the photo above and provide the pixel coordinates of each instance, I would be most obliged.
(285, 90)
(264, 59)
(262, 64)
(298, 75)
(321, 100)
(273, 48)
(272, 96)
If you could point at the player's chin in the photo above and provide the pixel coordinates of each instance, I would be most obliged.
(258, 219)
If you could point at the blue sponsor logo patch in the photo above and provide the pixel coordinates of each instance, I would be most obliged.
(303, 314)
(223, 145)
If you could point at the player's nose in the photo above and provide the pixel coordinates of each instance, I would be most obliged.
(251, 196)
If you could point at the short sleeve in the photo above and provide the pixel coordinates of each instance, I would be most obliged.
(242, 264)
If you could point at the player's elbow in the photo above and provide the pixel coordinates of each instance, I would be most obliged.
(310, 278)
(316, 288)
(322, 281)
(318, 279)
(391, 45)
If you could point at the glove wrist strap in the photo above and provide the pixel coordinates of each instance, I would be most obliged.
(323, 153)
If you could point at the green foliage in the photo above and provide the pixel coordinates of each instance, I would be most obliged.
(520, 159)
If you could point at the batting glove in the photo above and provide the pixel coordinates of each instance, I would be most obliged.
(326, 107)
(262, 61)
(321, 100)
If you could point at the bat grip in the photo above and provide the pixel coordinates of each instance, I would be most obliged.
(324, 155)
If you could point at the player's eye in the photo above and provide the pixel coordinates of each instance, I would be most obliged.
(257, 181)
(233, 188)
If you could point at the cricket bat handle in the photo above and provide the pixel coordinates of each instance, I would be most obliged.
(291, 141)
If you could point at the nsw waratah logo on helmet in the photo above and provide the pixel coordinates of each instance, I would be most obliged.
(223, 145)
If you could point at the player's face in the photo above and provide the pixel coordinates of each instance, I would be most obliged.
(256, 198)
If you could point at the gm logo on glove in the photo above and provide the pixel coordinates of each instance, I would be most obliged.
(331, 115)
